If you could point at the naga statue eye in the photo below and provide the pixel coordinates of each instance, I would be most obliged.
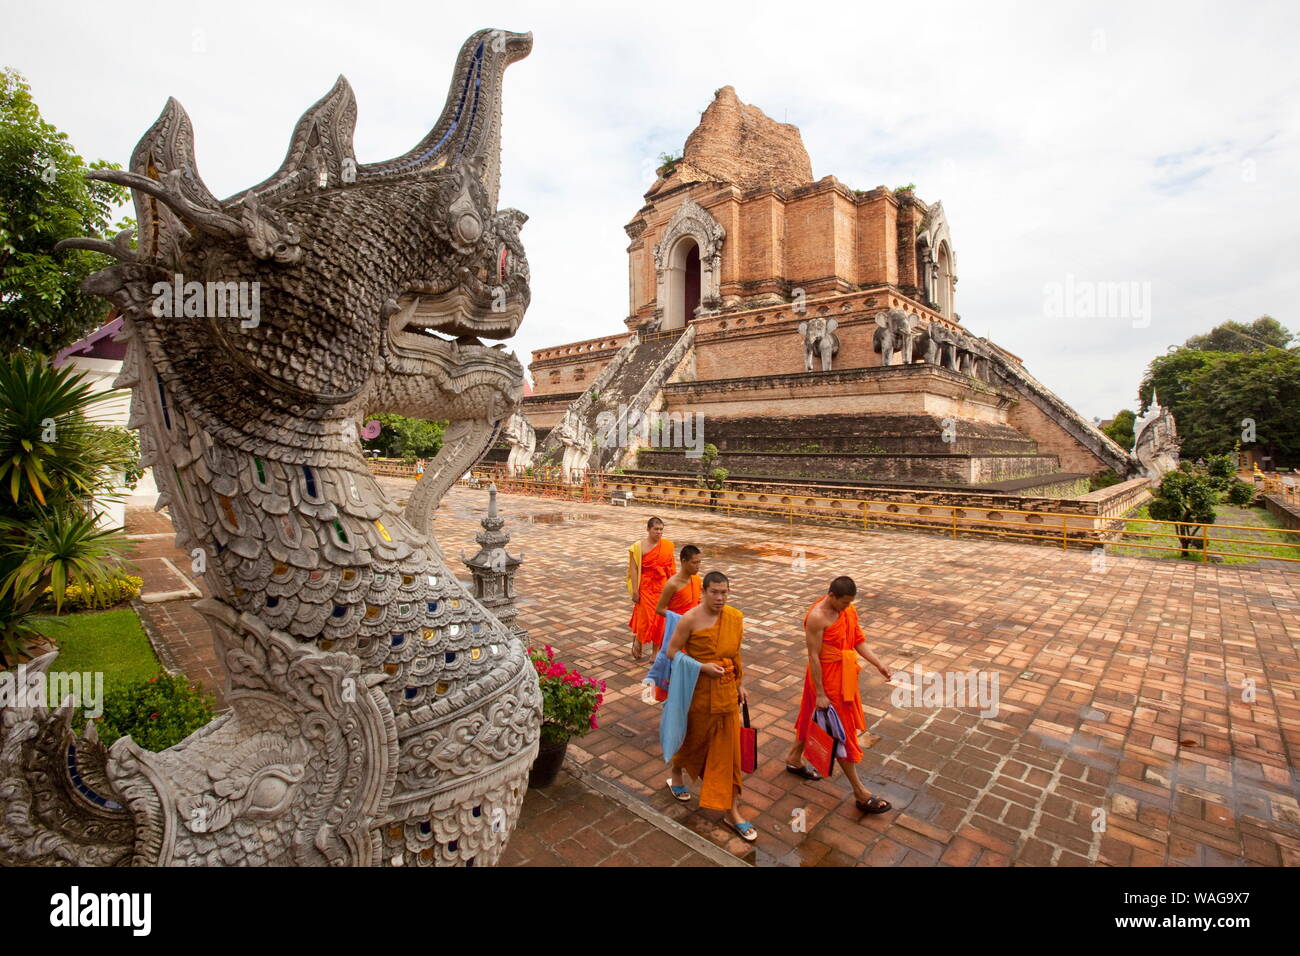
(469, 228)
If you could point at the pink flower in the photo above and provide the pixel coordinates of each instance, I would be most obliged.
(594, 725)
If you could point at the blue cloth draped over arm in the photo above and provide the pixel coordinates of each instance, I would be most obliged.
(681, 688)
(661, 669)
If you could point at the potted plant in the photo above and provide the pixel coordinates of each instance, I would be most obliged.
(569, 705)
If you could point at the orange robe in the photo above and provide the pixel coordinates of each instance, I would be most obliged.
(839, 663)
(656, 568)
(687, 597)
(710, 752)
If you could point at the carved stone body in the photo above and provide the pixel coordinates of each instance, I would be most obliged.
(378, 713)
(523, 444)
(819, 342)
(1157, 444)
(575, 437)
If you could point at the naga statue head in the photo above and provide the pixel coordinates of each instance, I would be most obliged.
(333, 288)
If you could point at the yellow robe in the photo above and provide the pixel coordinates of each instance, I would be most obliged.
(711, 751)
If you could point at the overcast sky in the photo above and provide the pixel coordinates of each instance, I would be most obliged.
(1153, 144)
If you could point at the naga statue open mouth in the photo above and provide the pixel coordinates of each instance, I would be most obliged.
(378, 712)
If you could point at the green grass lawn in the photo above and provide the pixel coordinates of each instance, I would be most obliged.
(1262, 528)
(111, 642)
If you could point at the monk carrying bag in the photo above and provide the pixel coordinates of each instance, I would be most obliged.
(748, 743)
(820, 746)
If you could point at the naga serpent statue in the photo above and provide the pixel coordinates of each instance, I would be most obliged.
(378, 713)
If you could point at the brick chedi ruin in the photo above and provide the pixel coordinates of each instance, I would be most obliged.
(814, 328)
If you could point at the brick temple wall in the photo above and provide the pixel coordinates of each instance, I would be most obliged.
(1052, 439)
(822, 237)
(874, 434)
(572, 367)
(925, 469)
(1088, 520)
(1279, 508)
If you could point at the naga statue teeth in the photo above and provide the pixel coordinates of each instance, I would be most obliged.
(378, 713)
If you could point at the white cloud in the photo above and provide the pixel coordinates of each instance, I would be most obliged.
(1111, 142)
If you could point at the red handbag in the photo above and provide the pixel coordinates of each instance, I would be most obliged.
(748, 743)
(819, 749)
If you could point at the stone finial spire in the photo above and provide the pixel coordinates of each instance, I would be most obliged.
(494, 569)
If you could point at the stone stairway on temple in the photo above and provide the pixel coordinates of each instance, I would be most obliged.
(625, 388)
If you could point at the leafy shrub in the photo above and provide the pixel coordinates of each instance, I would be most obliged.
(1240, 494)
(156, 713)
(79, 598)
(1222, 472)
(54, 461)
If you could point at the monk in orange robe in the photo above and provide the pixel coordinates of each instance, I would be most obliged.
(835, 640)
(649, 564)
(711, 634)
(683, 590)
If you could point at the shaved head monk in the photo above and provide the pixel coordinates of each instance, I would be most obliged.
(649, 565)
(711, 634)
(835, 641)
(684, 589)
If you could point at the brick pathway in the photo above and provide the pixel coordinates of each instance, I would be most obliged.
(1122, 736)
(571, 824)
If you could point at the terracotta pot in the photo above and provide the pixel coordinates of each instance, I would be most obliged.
(550, 757)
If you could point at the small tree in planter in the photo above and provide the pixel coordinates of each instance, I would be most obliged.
(569, 705)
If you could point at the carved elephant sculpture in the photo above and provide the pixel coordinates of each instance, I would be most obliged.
(896, 333)
(819, 341)
(938, 345)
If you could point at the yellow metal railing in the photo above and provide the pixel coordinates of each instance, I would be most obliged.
(820, 504)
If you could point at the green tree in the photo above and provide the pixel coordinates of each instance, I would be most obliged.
(1237, 337)
(45, 197)
(402, 437)
(1185, 497)
(1120, 431)
(1237, 395)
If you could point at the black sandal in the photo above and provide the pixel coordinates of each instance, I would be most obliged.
(801, 771)
(874, 804)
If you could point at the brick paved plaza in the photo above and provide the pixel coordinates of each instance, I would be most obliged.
(1122, 736)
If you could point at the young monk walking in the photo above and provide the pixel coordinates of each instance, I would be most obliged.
(835, 640)
(649, 565)
(711, 634)
(683, 590)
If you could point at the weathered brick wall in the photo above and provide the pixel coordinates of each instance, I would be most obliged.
(1052, 439)
(1049, 520)
(823, 238)
(877, 433)
(1288, 513)
(922, 469)
(572, 367)
(766, 341)
(912, 390)
(545, 411)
